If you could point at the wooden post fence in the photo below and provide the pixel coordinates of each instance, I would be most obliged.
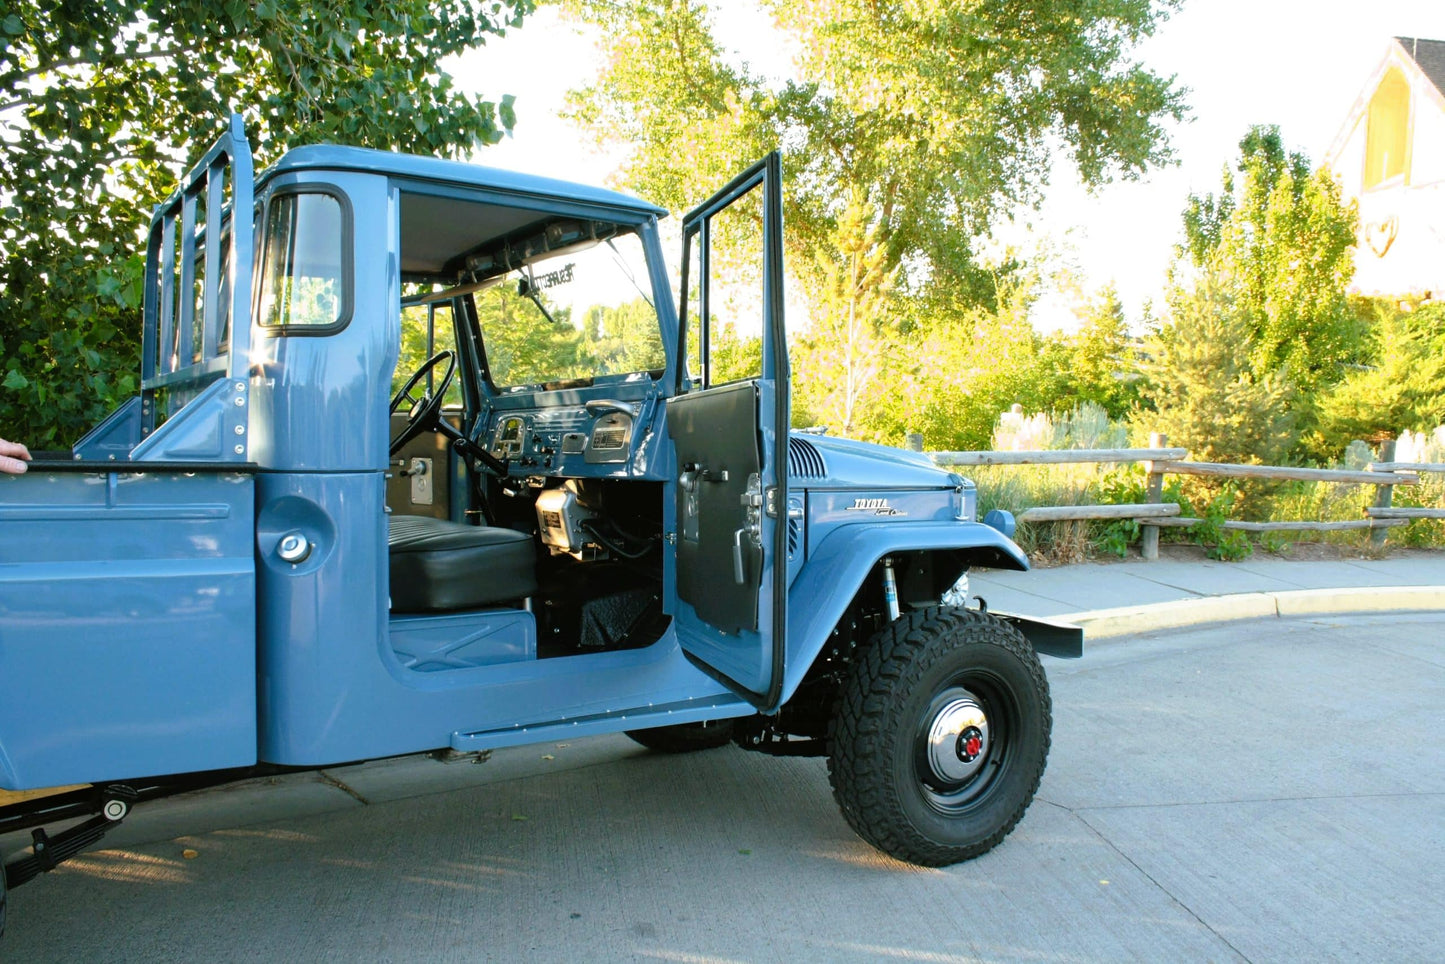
(1384, 493)
(1153, 492)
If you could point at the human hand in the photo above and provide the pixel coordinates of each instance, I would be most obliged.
(11, 456)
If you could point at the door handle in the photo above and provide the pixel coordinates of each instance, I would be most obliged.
(739, 576)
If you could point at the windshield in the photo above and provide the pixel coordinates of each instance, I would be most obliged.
(571, 316)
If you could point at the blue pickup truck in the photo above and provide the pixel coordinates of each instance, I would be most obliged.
(427, 457)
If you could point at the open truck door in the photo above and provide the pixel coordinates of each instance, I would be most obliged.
(127, 568)
(729, 435)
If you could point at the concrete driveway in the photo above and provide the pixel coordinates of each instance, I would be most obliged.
(1269, 790)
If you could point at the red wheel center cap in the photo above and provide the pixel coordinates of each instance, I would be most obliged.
(973, 745)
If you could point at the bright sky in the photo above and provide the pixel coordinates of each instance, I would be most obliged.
(1296, 63)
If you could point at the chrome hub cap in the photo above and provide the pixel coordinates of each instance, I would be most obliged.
(957, 739)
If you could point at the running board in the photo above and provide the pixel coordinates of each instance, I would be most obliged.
(667, 714)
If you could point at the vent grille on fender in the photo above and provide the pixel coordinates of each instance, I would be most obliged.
(804, 460)
(795, 533)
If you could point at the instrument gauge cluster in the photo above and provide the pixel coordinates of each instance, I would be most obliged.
(566, 440)
(510, 437)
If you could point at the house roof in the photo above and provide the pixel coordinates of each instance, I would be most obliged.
(1429, 55)
(1414, 55)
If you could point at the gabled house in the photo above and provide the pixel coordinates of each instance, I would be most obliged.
(1390, 157)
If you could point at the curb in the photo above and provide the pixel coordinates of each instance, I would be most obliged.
(1128, 620)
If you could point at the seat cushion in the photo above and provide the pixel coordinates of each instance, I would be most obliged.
(441, 566)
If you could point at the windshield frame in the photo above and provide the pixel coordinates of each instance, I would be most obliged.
(504, 265)
(543, 207)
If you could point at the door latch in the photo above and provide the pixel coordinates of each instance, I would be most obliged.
(752, 528)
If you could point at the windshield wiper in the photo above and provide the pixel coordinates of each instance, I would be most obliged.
(527, 287)
(621, 263)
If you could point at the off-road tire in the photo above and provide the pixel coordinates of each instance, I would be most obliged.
(686, 737)
(877, 738)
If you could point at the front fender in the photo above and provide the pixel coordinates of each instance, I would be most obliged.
(838, 565)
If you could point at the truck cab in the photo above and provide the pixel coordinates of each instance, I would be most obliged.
(426, 456)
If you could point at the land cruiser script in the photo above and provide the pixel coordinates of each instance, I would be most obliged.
(875, 506)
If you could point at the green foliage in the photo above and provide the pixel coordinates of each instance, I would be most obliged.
(907, 131)
(840, 359)
(1275, 543)
(625, 338)
(1124, 487)
(735, 356)
(524, 346)
(1401, 388)
(1281, 241)
(900, 106)
(1227, 545)
(961, 373)
(106, 102)
(1203, 392)
(1096, 365)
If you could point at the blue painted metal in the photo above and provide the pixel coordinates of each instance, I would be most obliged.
(113, 438)
(332, 685)
(666, 714)
(435, 644)
(841, 560)
(515, 186)
(153, 627)
(751, 662)
(319, 402)
(127, 626)
(211, 428)
(168, 342)
(1002, 520)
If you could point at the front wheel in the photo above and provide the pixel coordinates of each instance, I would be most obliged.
(940, 736)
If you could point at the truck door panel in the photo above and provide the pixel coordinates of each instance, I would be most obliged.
(718, 452)
(731, 551)
(127, 623)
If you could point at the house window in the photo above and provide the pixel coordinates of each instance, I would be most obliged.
(1387, 138)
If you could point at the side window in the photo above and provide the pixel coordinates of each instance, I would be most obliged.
(425, 330)
(724, 333)
(304, 269)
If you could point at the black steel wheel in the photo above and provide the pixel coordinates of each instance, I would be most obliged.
(940, 736)
(686, 737)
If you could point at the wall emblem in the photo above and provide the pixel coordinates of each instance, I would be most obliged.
(1379, 235)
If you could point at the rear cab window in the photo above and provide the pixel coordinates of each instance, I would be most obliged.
(305, 263)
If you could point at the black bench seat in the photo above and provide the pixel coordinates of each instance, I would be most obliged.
(440, 566)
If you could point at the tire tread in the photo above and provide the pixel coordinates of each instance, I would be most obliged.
(893, 662)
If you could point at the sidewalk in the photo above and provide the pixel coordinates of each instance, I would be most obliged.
(1118, 598)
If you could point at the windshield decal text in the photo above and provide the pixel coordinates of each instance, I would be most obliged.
(552, 279)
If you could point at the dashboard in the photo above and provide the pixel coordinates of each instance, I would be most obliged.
(561, 441)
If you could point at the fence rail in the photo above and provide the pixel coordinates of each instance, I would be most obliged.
(1160, 459)
(1056, 456)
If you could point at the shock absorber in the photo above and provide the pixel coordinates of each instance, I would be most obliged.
(890, 589)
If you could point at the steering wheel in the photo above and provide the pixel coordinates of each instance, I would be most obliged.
(424, 413)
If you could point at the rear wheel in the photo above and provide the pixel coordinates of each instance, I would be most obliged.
(686, 737)
(940, 736)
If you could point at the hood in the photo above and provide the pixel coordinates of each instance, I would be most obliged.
(815, 460)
